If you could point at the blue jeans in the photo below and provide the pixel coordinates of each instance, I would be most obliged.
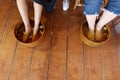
(92, 7)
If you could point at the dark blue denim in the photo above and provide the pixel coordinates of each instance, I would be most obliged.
(47, 4)
(92, 7)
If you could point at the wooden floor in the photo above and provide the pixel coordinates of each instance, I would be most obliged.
(61, 55)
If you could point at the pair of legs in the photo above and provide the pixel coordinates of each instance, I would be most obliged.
(23, 9)
(106, 17)
(92, 9)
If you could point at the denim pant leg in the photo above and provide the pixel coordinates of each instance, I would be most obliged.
(113, 6)
(92, 7)
(41, 2)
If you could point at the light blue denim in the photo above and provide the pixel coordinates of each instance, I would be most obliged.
(92, 7)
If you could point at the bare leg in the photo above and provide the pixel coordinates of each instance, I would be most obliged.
(37, 13)
(106, 17)
(91, 21)
(91, 24)
(23, 9)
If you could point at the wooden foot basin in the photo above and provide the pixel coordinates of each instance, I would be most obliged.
(19, 32)
(94, 43)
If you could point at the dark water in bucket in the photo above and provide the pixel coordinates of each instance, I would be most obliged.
(105, 32)
(20, 29)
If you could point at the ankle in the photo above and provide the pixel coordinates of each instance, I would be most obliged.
(98, 29)
(91, 29)
(28, 29)
(35, 32)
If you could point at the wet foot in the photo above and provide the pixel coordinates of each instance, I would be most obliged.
(36, 32)
(99, 35)
(90, 35)
(26, 34)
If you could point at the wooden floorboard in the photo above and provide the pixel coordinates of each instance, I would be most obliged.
(4, 15)
(57, 68)
(75, 59)
(21, 63)
(110, 60)
(61, 55)
(117, 41)
(93, 63)
(8, 46)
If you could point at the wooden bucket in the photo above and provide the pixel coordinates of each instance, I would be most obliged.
(83, 34)
(19, 32)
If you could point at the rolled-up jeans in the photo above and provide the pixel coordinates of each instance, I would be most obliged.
(92, 7)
